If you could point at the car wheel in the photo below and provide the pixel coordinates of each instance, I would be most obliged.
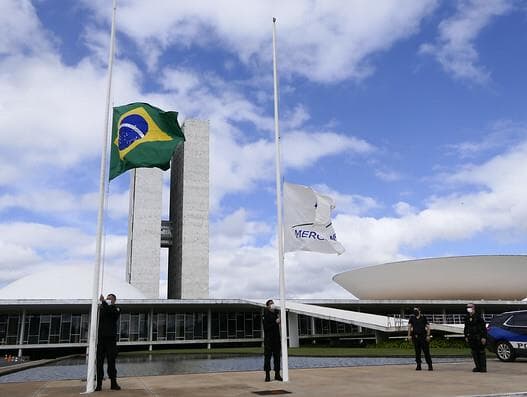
(504, 351)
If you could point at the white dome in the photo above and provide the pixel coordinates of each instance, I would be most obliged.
(66, 283)
(463, 277)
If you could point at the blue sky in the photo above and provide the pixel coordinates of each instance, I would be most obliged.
(410, 114)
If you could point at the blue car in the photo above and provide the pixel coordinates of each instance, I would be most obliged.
(507, 335)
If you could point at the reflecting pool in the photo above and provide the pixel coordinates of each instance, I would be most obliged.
(171, 364)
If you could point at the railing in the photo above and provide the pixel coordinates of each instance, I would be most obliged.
(396, 321)
(441, 318)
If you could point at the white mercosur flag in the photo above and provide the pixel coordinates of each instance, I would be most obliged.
(307, 221)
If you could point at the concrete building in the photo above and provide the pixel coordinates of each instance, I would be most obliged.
(144, 239)
(476, 277)
(188, 258)
(48, 314)
(185, 234)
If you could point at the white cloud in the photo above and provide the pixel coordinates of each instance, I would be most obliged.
(296, 118)
(45, 102)
(501, 134)
(388, 175)
(28, 247)
(323, 40)
(404, 209)
(64, 204)
(238, 160)
(495, 206)
(235, 230)
(354, 204)
(20, 22)
(455, 49)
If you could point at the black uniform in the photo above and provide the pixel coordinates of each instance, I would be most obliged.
(419, 339)
(271, 340)
(107, 341)
(475, 330)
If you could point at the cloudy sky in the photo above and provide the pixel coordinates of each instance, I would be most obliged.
(411, 114)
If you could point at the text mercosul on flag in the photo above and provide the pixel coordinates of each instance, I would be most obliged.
(307, 221)
(143, 136)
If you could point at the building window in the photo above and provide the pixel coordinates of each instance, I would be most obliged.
(9, 329)
(48, 328)
(236, 325)
(179, 326)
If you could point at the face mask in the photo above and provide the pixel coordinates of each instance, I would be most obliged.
(416, 312)
(109, 302)
(272, 307)
(470, 310)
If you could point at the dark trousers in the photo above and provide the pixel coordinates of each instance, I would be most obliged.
(275, 352)
(106, 348)
(421, 344)
(480, 358)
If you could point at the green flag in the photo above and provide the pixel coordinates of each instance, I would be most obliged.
(143, 136)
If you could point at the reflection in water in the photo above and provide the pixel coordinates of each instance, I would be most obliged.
(171, 364)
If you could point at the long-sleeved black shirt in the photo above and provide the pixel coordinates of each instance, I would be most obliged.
(108, 317)
(271, 329)
(475, 329)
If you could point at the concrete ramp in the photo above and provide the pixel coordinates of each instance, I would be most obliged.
(366, 320)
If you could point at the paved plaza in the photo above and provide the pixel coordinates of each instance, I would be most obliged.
(453, 379)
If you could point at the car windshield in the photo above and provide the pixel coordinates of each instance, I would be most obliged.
(499, 318)
(519, 320)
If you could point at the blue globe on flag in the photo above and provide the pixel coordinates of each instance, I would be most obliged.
(131, 128)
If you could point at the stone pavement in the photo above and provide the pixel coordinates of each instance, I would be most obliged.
(452, 379)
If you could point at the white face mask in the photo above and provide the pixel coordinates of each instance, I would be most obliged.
(272, 307)
(109, 302)
(470, 310)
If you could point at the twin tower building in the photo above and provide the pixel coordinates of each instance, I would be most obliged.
(185, 234)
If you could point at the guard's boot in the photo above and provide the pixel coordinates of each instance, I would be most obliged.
(114, 385)
(267, 376)
(277, 376)
(418, 368)
(430, 368)
(98, 387)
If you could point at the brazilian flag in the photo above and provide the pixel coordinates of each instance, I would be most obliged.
(143, 136)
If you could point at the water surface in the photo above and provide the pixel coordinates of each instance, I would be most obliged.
(171, 364)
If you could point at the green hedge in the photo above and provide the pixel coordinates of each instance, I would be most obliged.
(438, 342)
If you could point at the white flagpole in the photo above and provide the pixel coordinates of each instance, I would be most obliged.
(90, 377)
(280, 238)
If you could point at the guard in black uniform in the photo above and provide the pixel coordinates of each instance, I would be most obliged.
(107, 340)
(419, 333)
(476, 337)
(271, 324)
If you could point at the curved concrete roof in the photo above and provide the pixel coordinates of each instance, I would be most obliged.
(460, 277)
(66, 283)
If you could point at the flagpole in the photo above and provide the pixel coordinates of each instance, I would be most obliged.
(283, 327)
(90, 377)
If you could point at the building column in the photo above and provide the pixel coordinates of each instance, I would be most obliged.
(359, 330)
(209, 328)
(292, 322)
(262, 327)
(380, 336)
(313, 333)
(21, 333)
(150, 327)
